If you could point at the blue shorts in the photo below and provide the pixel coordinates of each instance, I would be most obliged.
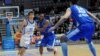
(48, 41)
(83, 31)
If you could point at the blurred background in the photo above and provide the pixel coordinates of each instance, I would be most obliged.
(52, 9)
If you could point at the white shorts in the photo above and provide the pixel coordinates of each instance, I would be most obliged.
(25, 41)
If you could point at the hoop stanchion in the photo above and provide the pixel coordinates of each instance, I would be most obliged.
(8, 30)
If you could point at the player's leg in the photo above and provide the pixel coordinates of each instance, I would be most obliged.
(64, 49)
(24, 43)
(50, 45)
(41, 50)
(21, 51)
(64, 45)
(90, 44)
(43, 43)
(54, 50)
(72, 35)
(92, 48)
(90, 32)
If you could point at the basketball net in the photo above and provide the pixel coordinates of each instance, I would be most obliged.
(9, 15)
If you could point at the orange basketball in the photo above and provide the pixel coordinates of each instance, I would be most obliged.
(18, 34)
(17, 37)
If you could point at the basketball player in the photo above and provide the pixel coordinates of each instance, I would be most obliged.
(27, 27)
(49, 37)
(85, 27)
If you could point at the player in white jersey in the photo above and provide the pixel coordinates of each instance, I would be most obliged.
(28, 28)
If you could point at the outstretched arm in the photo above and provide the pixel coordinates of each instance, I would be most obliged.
(63, 18)
(94, 17)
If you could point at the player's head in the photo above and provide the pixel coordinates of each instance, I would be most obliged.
(41, 16)
(73, 1)
(31, 15)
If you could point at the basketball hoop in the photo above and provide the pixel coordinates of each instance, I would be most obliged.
(6, 10)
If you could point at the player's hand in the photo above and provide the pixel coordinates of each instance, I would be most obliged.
(37, 28)
(51, 29)
(18, 34)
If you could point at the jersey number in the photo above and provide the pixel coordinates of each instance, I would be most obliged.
(82, 12)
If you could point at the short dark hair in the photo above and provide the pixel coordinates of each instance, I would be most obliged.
(73, 1)
(30, 12)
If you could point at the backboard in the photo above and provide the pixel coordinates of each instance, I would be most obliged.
(9, 10)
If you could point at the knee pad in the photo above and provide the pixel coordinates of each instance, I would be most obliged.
(63, 39)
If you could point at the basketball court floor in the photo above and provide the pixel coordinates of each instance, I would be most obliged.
(74, 50)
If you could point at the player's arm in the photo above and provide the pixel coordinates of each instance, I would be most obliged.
(63, 18)
(22, 24)
(94, 17)
(45, 26)
(36, 27)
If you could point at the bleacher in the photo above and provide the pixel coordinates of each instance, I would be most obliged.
(2, 28)
(62, 29)
(14, 26)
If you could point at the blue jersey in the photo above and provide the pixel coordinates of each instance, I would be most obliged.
(41, 24)
(80, 15)
(85, 24)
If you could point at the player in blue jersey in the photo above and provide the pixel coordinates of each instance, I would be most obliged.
(49, 37)
(85, 26)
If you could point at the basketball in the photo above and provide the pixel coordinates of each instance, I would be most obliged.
(17, 37)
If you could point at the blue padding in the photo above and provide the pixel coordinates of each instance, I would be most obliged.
(8, 43)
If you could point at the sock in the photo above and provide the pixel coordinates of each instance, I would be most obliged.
(92, 48)
(64, 49)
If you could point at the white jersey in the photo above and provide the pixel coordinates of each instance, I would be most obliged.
(29, 28)
(28, 32)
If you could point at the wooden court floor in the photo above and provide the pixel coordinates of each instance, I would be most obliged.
(74, 50)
